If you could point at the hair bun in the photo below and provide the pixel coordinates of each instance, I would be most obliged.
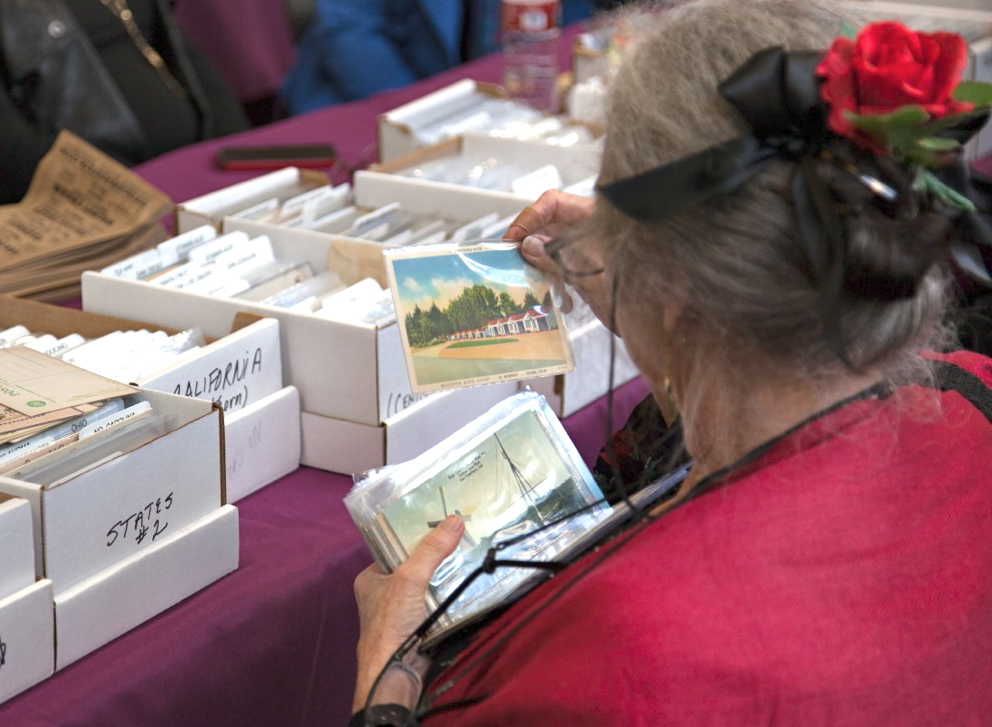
(891, 243)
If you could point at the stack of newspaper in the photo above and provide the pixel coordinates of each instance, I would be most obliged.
(82, 211)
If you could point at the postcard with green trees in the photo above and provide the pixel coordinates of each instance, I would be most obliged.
(473, 315)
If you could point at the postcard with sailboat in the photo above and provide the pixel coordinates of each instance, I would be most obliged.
(516, 480)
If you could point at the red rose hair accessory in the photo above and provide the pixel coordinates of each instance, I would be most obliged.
(883, 85)
(892, 93)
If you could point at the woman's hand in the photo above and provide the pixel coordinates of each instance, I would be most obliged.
(391, 607)
(554, 214)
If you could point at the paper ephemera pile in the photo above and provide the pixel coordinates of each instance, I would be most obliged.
(82, 211)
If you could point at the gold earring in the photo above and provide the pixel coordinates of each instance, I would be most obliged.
(669, 408)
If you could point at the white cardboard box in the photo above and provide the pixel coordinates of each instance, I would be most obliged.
(574, 164)
(27, 638)
(262, 442)
(347, 447)
(241, 371)
(210, 209)
(243, 364)
(106, 513)
(341, 370)
(396, 128)
(17, 565)
(116, 599)
(381, 186)
(354, 259)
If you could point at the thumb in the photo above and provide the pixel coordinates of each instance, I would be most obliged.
(437, 545)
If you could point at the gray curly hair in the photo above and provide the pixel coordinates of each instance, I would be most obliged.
(734, 264)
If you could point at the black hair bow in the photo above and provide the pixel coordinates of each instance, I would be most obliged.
(778, 94)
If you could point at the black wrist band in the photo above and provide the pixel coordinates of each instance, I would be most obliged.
(381, 715)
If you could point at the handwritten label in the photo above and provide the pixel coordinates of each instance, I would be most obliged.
(128, 267)
(236, 460)
(139, 525)
(225, 384)
(398, 402)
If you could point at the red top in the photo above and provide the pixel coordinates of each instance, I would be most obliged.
(844, 579)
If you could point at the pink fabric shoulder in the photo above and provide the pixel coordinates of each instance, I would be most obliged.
(846, 580)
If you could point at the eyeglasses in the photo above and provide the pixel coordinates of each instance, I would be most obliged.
(573, 258)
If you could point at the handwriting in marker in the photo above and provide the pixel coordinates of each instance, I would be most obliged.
(215, 384)
(148, 521)
(399, 402)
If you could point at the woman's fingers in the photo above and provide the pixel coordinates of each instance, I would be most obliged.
(554, 213)
(391, 607)
(532, 250)
(430, 552)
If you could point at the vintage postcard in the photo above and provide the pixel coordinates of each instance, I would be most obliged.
(521, 488)
(32, 383)
(519, 483)
(474, 314)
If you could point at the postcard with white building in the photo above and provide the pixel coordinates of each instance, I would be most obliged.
(475, 314)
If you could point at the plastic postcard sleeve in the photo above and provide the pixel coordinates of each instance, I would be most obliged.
(516, 480)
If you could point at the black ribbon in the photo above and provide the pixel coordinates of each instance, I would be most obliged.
(971, 243)
(778, 93)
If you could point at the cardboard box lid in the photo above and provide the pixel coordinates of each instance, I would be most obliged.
(395, 128)
(211, 208)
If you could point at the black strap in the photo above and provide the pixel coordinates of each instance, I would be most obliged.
(383, 715)
(951, 377)
(948, 377)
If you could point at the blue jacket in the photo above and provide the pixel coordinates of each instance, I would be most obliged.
(355, 48)
(358, 47)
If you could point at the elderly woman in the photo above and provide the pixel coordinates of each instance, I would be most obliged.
(779, 280)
